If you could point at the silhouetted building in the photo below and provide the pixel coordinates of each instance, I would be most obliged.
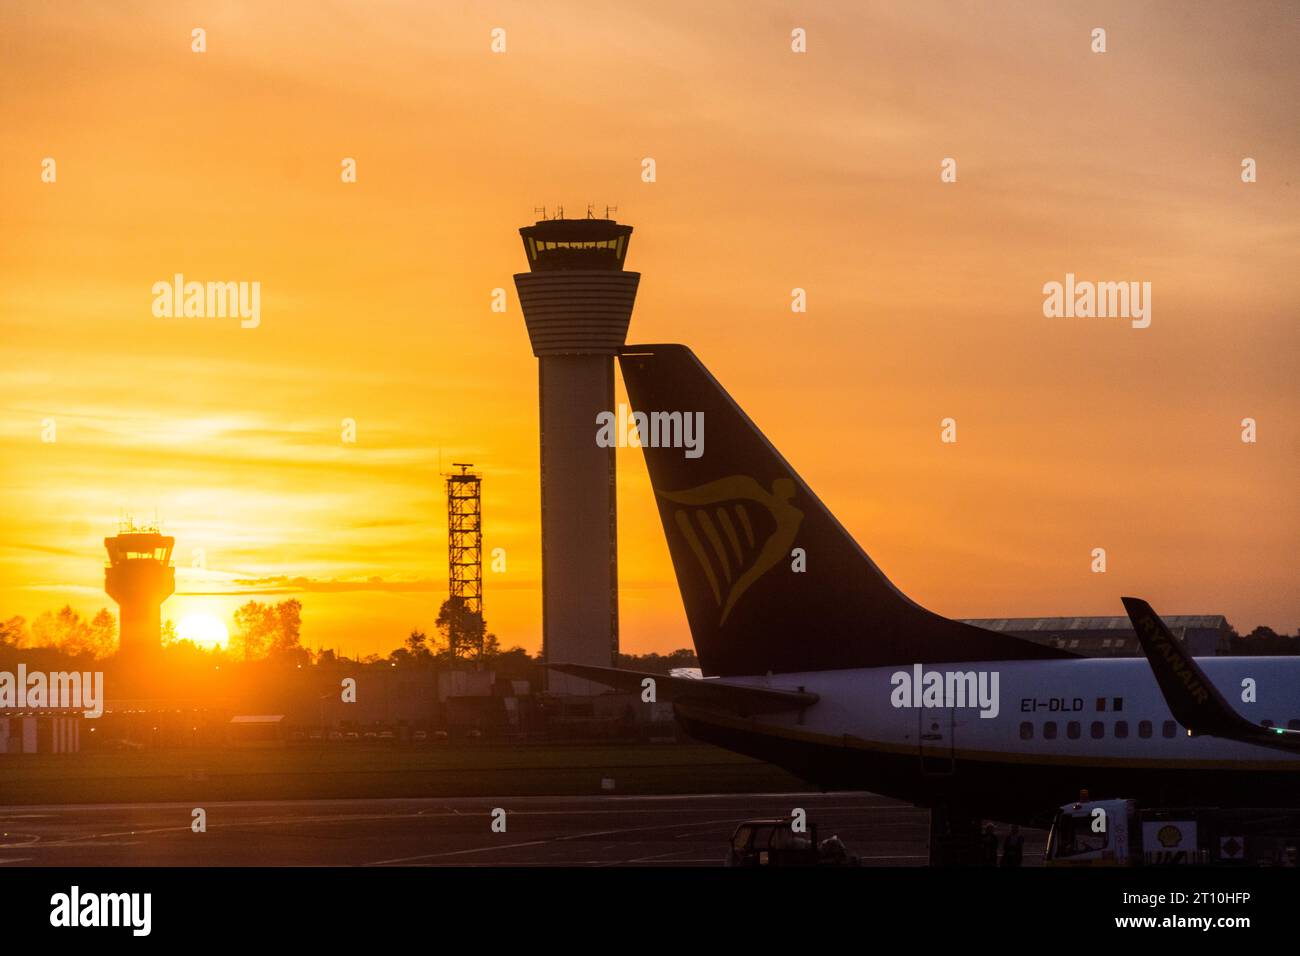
(40, 731)
(577, 302)
(1204, 634)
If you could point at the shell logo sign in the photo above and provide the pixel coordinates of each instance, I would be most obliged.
(1170, 842)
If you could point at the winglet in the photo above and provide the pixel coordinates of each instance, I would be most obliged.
(1193, 700)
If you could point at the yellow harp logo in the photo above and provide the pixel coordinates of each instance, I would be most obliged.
(717, 522)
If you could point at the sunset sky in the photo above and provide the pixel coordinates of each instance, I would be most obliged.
(775, 170)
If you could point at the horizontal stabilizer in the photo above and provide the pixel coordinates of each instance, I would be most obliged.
(710, 692)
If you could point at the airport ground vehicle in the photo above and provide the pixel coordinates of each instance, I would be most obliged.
(1119, 833)
(775, 842)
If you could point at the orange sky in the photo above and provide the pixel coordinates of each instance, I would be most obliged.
(775, 170)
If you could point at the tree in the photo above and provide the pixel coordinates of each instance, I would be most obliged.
(464, 633)
(417, 645)
(254, 623)
(103, 633)
(286, 640)
(66, 631)
(264, 630)
(13, 632)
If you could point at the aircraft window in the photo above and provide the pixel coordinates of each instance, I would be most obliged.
(1144, 729)
(1026, 731)
(1117, 703)
(1049, 730)
(1098, 730)
(1121, 729)
(1072, 730)
(1101, 703)
(1168, 728)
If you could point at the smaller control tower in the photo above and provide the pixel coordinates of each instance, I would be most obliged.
(139, 577)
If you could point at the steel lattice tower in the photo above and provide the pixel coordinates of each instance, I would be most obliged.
(465, 547)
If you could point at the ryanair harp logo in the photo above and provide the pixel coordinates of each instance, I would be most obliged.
(718, 522)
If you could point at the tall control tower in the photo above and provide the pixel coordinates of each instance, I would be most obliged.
(577, 302)
(139, 577)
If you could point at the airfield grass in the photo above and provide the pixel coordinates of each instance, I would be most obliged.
(354, 771)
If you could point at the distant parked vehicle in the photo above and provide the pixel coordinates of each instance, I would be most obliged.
(336, 735)
(776, 843)
(420, 736)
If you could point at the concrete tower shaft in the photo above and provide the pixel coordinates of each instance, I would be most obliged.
(139, 577)
(577, 302)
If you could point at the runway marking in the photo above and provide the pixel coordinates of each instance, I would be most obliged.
(559, 839)
(650, 859)
(35, 838)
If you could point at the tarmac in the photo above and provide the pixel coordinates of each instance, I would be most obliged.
(586, 831)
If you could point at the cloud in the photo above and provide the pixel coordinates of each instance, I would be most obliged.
(283, 584)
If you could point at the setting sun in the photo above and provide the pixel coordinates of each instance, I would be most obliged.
(205, 630)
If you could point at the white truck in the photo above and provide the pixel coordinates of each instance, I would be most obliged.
(1119, 833)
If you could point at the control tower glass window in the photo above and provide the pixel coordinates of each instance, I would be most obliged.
(564, 244)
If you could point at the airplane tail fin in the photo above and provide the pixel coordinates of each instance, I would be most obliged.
(770, 580)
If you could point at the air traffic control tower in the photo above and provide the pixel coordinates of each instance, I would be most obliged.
(139, 577)
(577, 301)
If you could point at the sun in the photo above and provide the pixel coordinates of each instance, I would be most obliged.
(205, 630)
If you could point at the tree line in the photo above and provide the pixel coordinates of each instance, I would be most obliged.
(274, 632)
